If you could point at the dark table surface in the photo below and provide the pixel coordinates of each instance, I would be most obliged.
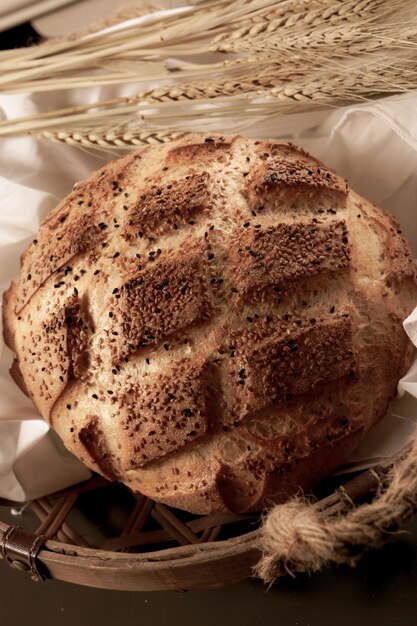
(380, 590)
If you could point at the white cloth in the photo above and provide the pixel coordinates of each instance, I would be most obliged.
(374, 146)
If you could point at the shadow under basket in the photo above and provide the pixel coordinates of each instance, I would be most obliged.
(100, 534)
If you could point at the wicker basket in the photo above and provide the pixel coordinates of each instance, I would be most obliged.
(99, 534)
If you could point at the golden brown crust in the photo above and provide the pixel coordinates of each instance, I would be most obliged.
(158, 302)
(216, 321)
(294, 362)
(164, 206)
(165, 416)
(16, 374)
(95, 452)
(284, 177)
(277, 256)
(58, 243)
(9, 317)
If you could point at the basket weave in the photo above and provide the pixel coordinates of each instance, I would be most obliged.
(143, 545)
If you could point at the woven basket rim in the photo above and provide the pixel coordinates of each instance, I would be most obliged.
(195, 566)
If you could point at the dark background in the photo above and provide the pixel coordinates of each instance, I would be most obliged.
(381, 590)
(23, 35)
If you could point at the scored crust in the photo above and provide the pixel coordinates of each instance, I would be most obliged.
(216, 321)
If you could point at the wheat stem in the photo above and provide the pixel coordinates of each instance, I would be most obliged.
(281, 57)
(61, 57)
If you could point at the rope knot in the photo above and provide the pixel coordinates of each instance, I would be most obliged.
(295, 535)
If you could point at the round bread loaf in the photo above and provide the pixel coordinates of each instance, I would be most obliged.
(215, 322)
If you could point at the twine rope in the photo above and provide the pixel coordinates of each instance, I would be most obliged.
(297, 537)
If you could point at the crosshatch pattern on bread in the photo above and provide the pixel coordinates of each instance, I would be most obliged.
(215, 322)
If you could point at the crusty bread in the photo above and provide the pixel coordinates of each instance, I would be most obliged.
(215, 322)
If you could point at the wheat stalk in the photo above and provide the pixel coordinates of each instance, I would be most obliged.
(119, 138)
(346, 22)
(339, 87)
(280, 57)
(53, 63)
(264, 19)
(303, 14)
